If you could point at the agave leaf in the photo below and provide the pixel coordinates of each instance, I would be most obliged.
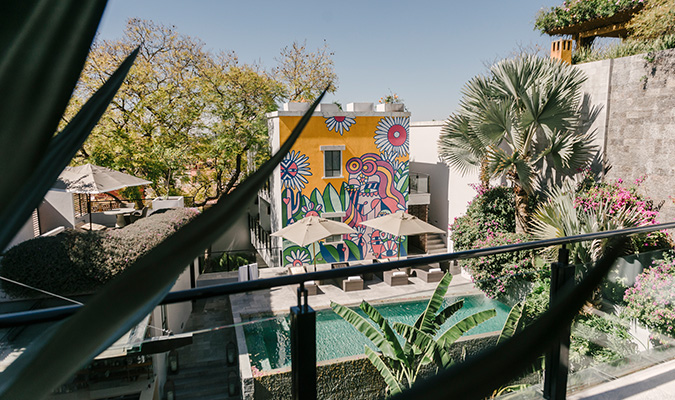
(367, 329)
(132, 295)
(425, 322)
(40, 62)
(61, 150)
(386, 373)
(511, 323)
(389, 334)
(456, 331)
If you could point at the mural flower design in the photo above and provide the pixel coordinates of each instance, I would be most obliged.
(391, 135)
(294, 168)
(312, 209)
(298, 258)
(339, 124)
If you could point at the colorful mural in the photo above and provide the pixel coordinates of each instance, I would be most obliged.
(374, 182)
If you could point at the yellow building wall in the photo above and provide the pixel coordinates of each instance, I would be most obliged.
(374, 182)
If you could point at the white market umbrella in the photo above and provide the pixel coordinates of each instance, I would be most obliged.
(399, 224)
(92, 179)
(312, 229)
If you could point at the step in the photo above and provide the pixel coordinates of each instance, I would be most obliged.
(205, 380)
(201, 392)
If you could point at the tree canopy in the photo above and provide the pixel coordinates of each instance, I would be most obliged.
(522, 122)
(190, 121)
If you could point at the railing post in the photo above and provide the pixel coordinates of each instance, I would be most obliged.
(557, 359)
(303, 349)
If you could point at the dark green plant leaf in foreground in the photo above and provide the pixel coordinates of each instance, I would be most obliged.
(131, 296)
(44, 46)
(61, 150)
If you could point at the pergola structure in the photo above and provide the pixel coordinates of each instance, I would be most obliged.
(585, 32)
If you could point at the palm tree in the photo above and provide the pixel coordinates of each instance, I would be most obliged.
(522, 122)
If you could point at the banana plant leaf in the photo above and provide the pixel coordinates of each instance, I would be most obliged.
(448, 312)
(425, 344)
(362, 325)
(477, 377)
(128, 298)
(456, 331)
(386, 373)
(426, 320)
(511, 323)
(389, 334)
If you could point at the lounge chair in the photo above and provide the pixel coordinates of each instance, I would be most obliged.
(395, 278)
(136, 215)
(352, 283)
(429, 274)
(309, 285)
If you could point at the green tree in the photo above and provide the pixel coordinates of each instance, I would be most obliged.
(522, 122)
(306, 74)
(237, 97)
(148, 127)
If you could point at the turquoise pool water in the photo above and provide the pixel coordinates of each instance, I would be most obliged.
(269, 341)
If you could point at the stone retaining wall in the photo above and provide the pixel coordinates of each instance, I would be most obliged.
(355, 377)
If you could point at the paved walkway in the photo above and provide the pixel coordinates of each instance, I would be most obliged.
(655, 383)
(281, 299)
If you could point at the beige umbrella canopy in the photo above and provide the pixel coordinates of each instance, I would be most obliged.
(312, 229)
(92, 179)
(401, 223)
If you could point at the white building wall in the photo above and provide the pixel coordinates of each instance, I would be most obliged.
(449, 199)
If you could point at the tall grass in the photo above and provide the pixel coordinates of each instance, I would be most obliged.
(628, 47)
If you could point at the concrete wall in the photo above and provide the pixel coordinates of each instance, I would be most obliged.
(638, 128)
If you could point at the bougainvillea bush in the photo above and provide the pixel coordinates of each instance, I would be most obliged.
(490, 212)
(77, 262)
(652, 299)
(573, 12)
(502, 275)
(619, 196)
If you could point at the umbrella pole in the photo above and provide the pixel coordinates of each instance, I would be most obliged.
(89, 210)
(399, 247)
(314, 255)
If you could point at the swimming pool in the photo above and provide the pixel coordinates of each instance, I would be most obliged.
(269, 344)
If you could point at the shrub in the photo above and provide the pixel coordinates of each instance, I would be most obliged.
(628, 47)
(651, 300)
(502, 275)
(617, 197)
(597, 339)
(491, 211)
(78, 262)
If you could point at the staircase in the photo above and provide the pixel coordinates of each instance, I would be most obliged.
(205, 373)
(435, 244)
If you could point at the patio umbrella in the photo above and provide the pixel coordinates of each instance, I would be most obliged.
(401, 223)
(312, 229)
(92, 179)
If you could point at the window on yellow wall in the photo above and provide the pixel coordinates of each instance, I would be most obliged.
(334, 238)
(332, 161)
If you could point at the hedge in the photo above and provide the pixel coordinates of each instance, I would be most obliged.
(77, 262)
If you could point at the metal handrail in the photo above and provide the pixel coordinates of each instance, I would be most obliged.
(57, 313)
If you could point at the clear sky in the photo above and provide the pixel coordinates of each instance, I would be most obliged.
(425, 51)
